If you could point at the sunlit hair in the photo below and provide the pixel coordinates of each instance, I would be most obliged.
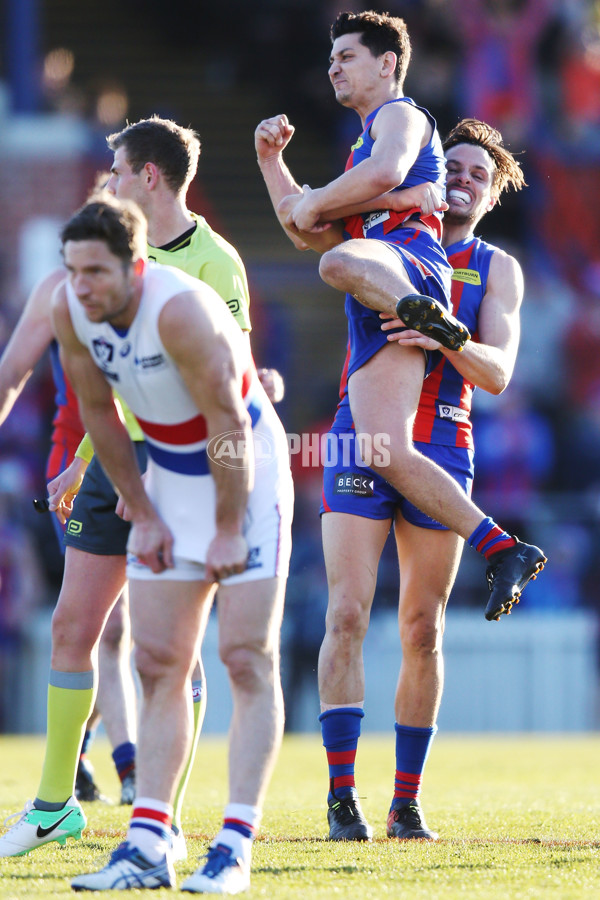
(170, 147)
(507, 171)
(100, 181)
(120, 224)
(380, 32)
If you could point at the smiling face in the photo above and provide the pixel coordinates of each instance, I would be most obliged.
(470, 191)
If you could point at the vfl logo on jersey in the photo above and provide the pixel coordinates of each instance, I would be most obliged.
(104, 350)
(469, 276)
(253, 561)
(375, 218)
(353, 483)
(150, 362)
(234, 306)
(125, 350)
(358, 144)
(446, 411)
(74, 527)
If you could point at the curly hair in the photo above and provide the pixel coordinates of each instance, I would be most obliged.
(508, 172)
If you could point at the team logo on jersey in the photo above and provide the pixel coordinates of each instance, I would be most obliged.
(155, 361)
(353, 483)
(234, 306)
(358, 144)
(446, 411)
(125, 350)
(104, 350)
(74, 527)
(375, 218)
(469, 276)
(253, 561)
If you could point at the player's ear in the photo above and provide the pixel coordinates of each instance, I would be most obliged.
(139, 266)
(492, 202)
(150, 174)
(389, 61)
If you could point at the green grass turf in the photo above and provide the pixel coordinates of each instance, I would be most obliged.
(518, 817)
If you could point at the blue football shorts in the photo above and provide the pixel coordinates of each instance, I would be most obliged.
(94, 526)
(358, 490)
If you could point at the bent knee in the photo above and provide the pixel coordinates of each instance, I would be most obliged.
(73, 631)
(248, 666)
(154, 661)
(339, 268)
(115, 634)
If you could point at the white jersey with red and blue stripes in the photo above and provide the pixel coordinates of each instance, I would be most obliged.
(137, 365)
(135, 362)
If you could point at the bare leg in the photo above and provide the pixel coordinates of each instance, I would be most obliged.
(352, 546)
(369, 271)
(199, 709)
(91, 585)
(167, 618)
(249, 625)
(116, 690)
(424, 589)
(384, 395)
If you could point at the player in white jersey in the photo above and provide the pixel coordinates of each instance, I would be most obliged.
(217, 506)
(176, 437)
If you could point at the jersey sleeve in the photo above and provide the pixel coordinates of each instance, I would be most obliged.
(128, 419)
(85, 450)
(226, 274)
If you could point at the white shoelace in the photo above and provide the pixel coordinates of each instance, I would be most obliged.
(19, 815)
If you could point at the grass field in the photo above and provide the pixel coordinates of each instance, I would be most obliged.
(518, 817)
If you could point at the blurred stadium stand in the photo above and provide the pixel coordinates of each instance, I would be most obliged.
(71, 73)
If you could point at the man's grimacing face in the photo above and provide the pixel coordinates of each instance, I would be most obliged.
(353, 69)
(470, 173)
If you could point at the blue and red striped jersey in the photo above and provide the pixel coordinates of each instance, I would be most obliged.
(443, 416)
(428, 166)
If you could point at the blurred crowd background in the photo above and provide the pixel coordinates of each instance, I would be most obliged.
(71, 73)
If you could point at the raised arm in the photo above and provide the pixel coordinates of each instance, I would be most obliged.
(270, 140)
(426, 196)
(207, 356)
(30, 339)
(399, 131)
(150, 539)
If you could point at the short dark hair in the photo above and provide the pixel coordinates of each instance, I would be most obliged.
(380, 32)
(120, 224)
(508, 172)
(175, 150)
